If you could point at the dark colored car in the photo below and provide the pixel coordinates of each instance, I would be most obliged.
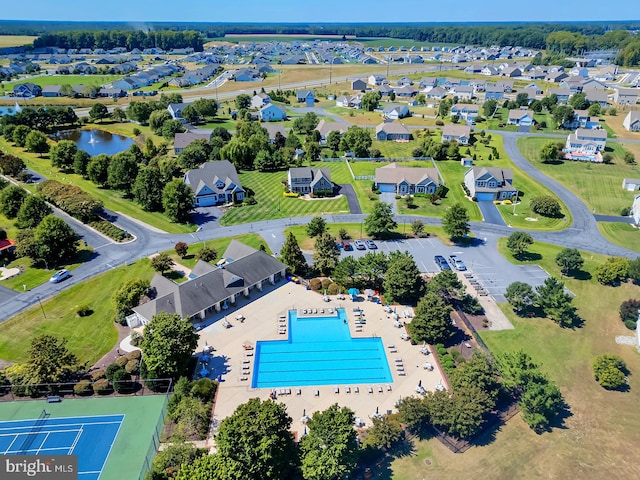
(346, 246)
(441, 263)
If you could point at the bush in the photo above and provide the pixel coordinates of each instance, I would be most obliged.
(136, 131)
(135, 355)
(439, 123)
(630, 324)
(629, 310)
(470, 304)
(111, 371)
(136, 338)
(83, 387)
(102, 387)
(110, 230)
(122, 381)
(315, 284)
(73, 200)
(121, 361)
(84, 311)
(609, 371)
(614, 271)
(251, 201)
(121, 317)
(97, 375)
(546, 206)
(325, 283)
(625, 211)
(204, 389)
(333, 289)
(132, 367)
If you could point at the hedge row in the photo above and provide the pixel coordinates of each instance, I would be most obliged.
(73, 200)
(110, 230)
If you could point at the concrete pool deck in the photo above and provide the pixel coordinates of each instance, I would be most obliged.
(261, 322)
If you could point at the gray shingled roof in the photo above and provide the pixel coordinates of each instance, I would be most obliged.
(209, 173)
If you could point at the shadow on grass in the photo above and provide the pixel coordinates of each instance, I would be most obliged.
(580, 275)
(527, 257)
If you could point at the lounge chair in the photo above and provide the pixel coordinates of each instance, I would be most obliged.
(246, 361)
(398, 360)
(388, 388)
(356, 390)
(248, 354)
(393, 350)
(336, 390)
(347, 389)
(322, 310)
(288, 391)
(298, 391)
(244, 378)
(391, 346)
(315, 311)
(379, 389)
(316, 393)
(399, 368)
(370, 389)
(304, 310)
(401, 373)
(246, 367)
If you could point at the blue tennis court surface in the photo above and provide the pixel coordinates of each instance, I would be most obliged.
(90, 438)
(319, 351)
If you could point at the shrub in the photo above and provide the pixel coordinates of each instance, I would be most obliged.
(614, 271)
(111, 371)
(625, 211)
(73, 200)
(121, 317)
(315, 284)
(102, 387)
(333, 289)
(83, 387)
(439, 123)
(251, 201)
(136, 338)
(135, 355)
(204, 389)
(546, 206)
(325, 283)
(122, 381)
(629, 310)
(136, 131)
(84, 311)
(630, 324)
(132, 367)
(121, 361)
(97, 375)
(607, 158)
(110, 230)
(609, 371)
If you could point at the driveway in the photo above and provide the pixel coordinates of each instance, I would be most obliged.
(352, 199)
(6, 294)
(613, 218)
(207, 217)
(390, 198)
(490, 213)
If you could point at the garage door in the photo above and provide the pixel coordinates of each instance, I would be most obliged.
(387, 187)
(485, 197)
(205, 201)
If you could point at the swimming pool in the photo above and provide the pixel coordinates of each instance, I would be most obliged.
(319, 351)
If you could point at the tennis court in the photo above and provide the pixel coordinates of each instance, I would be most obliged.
(90, 438)
(115, 438)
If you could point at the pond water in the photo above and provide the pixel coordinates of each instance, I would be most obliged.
(95, 142)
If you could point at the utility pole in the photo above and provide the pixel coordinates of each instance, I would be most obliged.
(41, 307)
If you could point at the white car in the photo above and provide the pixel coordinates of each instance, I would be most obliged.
(60, 275)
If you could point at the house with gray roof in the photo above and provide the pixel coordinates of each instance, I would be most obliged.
(306, 96)
(585, 145)
(466, 111)
(183, 139)
(273, 129)
(458, 133)
(520, 117)
(394, 111)
(406, 180)
(325, 128)
(305, 180)
(490, 183)
(211, 288)
(392, 131)
(214, 183)
(625, 96)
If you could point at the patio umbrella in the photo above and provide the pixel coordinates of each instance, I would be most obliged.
(353, 291)
(204, 372)
(420, 383)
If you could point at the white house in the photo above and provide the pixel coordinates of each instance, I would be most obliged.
(625, 96)
(394, 111)
(466, 111)
(406, 180)
(489, 183)
(631, 184)
(520, 117)
(586, 145)
(260, 100)
(459, 133)
(632, 121)
(635, 210)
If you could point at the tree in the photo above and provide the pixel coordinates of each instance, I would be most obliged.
(421, 99)
(330, 450)
(157, 119)
(63, 153)
(446, 285)
(385, 432)
(177, 201)
(414, 413)
(522, 99)
(20, 135)
(520, 296)
(579, 101)
(594, 110)
(139, 112)
(540, 404)
(190, 114)
(97, 169)
(370, 101)
(546, 205)
(147, 188)
(292, 255)
(402, 280)
(37, 142)
(55, 242)
(569, 260)
(118, 115)
(32, 211)
(10, 165)
(563, 114)
(129, 294)
(556, 304)
(162, 262)
(243, 101)
(80, 162)
(609, 371)
(255, 442)
(50, 361)
(333, 140)
(357, 140)
(518, 243)
(181, 249)
(98, 111)
(312, 151)
(549, 152)
(11, 199)
(207, 254)
(346, 273)
(432, 321)
(122, 172)
(326, 253)
(171, 127)
(613, 271)
(380, 222)
(455, 222)
(417, 228)
(489, 107)
(206, 107)
(629, 310)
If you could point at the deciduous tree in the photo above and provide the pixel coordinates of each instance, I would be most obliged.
(147, 188)
(37, 142)
(432, 321)
(569, 260)
(62, 154)
(32, 211)
(380, 223)
(162, 262)
(455, 222)
(519, 242)
(11, 199)
(50, 361)
(98, 111)
(177, 201)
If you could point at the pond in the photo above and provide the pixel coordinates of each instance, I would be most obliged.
(95, 142)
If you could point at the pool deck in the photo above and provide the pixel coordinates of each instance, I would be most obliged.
(262, 322)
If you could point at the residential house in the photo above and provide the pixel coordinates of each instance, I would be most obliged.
(625, 96)
(395, 111)
(7, 246)
(464, 92)
(631, 184)
(272, 113)
(632, 121)
(358, 84)
(306, 96)
(573, 84)
(273, 129)
(428, 82)
(309, 180)
(490, 70)
(175, 110)
(593, 84)
(405, 81)
(52, 91)
(211, 288)
(388, 131)
(581, 119)
(635, 213)
(586, 145)
(405, 91)
(325, 128)
(522, 118)
(214, 183)
(511, 72)
(27, 90)
(505, 85)
(112, 92)
(563, 94)
(437, 93)
(533, 88)
(478, 85)
(349, 101)
(259, 100)
(465, 111)
(384, 90)
(376, 80)
(183, 139)
(487, 184)
(494, 93)
(596, 96)
(458, 133)
(406, 180)
(555, 76)
(247, 75)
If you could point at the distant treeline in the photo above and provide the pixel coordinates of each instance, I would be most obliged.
(130, 39)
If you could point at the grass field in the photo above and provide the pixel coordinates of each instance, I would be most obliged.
(598, 185)
(272, 204)
(89, 338)
(621, 233)
(96, 80)
(129, 453)
(15, 40)
(603, 425)
(220, 245)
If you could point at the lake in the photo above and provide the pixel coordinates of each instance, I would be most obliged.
(95, 142)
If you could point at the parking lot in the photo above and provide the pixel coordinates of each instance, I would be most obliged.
(493, 272)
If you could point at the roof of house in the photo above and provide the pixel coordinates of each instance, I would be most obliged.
(325, 128)
(273, 128)
(600, 134)
(626, 181)
(269, 106)
(391, 107)
(183, 139)
(518, 114)
(315, 174)
(504, 176)
(469, 107)
(594, 95)
(456, 130)
(396, 128)
(634, 115)
(209, 173)
(627, 91)
(393, 173)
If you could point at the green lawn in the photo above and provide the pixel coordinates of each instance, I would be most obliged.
(621, 233)
(221, 121)
(601, 424)
(598, 185)
(218, 244)
(96, 80)
(89, 338)
(112, 200)
(272, 204)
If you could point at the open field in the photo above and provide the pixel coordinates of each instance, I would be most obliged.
(621, 233)
(594, 442)
(598, 185)
(615, 124)
(42, 80)
(15, 40)
(89, 338)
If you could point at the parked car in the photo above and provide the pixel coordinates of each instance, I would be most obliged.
(359, 245)
(60, 276)
(346, 246)
(370, 244)
(441, 263)
(456, 263)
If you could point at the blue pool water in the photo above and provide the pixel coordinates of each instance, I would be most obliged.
(319, 351)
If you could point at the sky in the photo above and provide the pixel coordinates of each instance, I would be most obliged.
(325, 11)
